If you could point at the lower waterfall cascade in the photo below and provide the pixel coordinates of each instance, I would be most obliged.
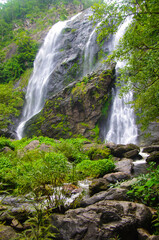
(121, 125)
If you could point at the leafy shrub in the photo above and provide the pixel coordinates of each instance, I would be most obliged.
(11, 99)
(6, 177)
(98, 153)
(88, 168)
(146, 189)
(49, 168)
(6, 142)
(72, 149)
(12, 68)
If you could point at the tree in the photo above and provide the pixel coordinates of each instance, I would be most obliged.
(139, 47)
(11, 101)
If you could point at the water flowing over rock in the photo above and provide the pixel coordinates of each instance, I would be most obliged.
(69, 52)
(74, 110)
(59, 62)
(121, 126)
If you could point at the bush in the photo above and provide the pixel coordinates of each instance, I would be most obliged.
(88, 168)
(6, 176)
(98, 153)
(72, 149)
(11, 100)
(146, 189)
(48, 168)
(6, 142)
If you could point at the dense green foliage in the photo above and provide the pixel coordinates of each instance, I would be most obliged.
(11, 100)
(14, 12)
(32, 170)
(98, 168)
(97, 152)
(13, 68)
(139, 47)
(146, 189)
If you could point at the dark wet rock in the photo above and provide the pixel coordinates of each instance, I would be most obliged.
(132, 154)
(152, 148)
(109, 216)
(117, 177)
(140, 168)
(125, 165)
(16, 208)
(8, 133)
(111, 194)
(143, 234)
(98, 185)
(120, 150)
(153, 132)
(153, 157)
(103, 220)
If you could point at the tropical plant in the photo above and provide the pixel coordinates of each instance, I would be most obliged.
(98, 168)
(146, 189)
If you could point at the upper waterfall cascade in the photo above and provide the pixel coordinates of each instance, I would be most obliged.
(121, 125)
(44, 65)
(67, 42)
(90, 51)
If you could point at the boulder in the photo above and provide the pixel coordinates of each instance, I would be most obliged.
(120, 150)
(117, 177)
(111, 194)
(145, 235)
(32, 145)
(151, 148)
(125, 165)
(7, 232)
(103, 220)
(98, 185)
(153, 157)
(6, 149)
(132, 154)
(127, 184)
(44, 147)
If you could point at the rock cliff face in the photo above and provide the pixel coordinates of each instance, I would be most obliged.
(73, 52)
(77, 109)
(70, 59)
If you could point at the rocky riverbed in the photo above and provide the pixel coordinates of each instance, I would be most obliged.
(105, 212)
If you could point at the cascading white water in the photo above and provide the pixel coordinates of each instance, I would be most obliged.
(122, 127)
(44, 65)
(89, 53)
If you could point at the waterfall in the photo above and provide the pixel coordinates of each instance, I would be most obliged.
(90, 52)
(44, 64)
(121, 124)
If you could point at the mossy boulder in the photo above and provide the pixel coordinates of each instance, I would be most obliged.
(7, 232)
